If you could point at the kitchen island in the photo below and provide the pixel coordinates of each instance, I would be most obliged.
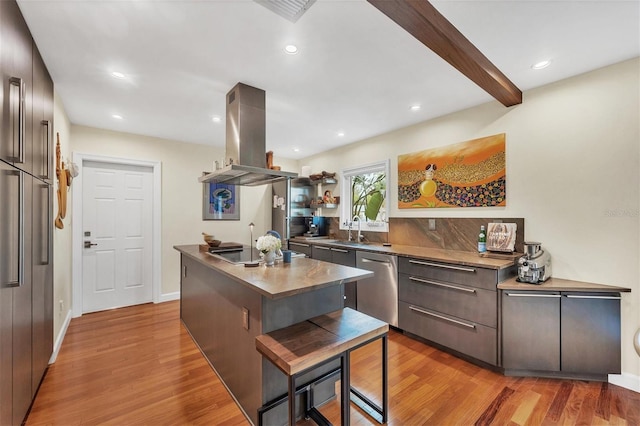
(225, 306)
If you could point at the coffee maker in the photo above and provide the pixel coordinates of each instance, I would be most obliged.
(535, 266)
(316, 226)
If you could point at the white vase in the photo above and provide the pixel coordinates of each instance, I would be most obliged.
(270, 258)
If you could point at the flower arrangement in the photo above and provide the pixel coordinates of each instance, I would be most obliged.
(267, 243)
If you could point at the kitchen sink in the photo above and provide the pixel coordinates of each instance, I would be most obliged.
(350, 243)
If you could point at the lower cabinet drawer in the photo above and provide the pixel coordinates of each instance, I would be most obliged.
(474, 304)
(301, 248)
(452, 273)
(473, 339)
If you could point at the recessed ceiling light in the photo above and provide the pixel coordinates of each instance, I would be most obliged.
(117, 74)
(415, 107)
(117, 116)
(540, 65)
(291, 49)
(216, 119)
(296, 149)
(340, 134)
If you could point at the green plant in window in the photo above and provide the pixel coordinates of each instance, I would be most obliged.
(368, 194)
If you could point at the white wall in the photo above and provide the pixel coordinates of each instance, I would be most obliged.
(61, 237)
(573, 162)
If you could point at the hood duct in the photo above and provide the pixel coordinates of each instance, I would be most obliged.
(245, 156)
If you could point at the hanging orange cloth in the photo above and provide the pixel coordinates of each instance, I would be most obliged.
(62, 175)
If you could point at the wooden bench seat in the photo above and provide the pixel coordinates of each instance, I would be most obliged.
(301, 347)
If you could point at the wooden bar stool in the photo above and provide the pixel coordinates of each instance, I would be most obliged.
(301, 347)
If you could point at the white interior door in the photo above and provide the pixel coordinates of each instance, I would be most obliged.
(117, 222)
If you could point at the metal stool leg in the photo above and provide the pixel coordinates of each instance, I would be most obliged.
(345, 389)
(385, 388)
(292, 400)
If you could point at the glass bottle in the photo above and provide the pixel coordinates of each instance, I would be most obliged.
(482, 240)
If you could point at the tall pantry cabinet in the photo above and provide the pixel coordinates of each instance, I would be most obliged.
(26, 212)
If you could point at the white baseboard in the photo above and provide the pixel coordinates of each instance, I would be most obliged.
(626, 380)
(168, 297)
(58, 343)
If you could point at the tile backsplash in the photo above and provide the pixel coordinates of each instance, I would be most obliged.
(449, 233)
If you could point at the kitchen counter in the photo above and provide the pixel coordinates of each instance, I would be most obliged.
(559, 284)
(283, 279)
(225, 306)
(440, 255)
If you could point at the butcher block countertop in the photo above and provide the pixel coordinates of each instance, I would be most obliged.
(282, 279)
(559, 284)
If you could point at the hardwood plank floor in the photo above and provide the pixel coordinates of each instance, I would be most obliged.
(138, 365)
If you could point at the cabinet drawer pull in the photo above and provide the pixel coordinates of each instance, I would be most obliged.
(339, 250)
(15, 256)
(46, 169)
(438, 265)
(322, 248)
(594, 297)
(552, 296)
(442, 317)
(298, 244)
(19, 83)
(453, 287)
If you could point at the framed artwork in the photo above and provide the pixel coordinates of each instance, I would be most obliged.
(466, 174)
(220, 201)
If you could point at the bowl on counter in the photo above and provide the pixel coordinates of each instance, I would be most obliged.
(211, 240)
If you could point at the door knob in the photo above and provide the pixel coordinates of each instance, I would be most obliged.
(88, 244)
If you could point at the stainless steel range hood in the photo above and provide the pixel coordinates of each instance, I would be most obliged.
(245, 156)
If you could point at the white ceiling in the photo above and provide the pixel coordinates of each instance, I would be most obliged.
(356, 72)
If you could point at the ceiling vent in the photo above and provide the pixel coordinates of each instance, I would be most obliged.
(291, 10)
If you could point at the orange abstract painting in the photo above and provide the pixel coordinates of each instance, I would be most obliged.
(466, 174)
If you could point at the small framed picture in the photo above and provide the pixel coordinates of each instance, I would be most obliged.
(220, 201)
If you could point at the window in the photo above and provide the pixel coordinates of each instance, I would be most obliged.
(364, 193)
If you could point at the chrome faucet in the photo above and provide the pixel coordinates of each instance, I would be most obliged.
(356, 218)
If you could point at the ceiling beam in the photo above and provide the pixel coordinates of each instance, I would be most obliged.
(420, 19)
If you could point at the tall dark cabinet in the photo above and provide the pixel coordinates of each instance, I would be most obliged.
(26, 211)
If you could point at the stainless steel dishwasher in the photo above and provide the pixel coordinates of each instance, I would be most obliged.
(378, 296)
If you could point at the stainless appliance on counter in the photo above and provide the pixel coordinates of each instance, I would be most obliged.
(316, 226)
(535, 266)
(378, 295)
(291, 214)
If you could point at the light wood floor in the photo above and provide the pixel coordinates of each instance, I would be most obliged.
(138, 365)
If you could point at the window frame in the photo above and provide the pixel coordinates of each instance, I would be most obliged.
(345, 196)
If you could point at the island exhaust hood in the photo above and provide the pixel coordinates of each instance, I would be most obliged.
(245, 156)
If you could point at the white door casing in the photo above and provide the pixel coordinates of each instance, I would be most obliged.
(118, 202)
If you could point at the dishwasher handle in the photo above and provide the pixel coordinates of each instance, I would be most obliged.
(367, 260)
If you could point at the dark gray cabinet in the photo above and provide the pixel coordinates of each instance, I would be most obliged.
(42, 280)
(531, 330)
(573, 334)
(321, 253)
(42, 148)
(590, 338)
(340, 256)
(15, 294)
(16, 72)
(26, 255)
(452, 305)
(300, 247)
